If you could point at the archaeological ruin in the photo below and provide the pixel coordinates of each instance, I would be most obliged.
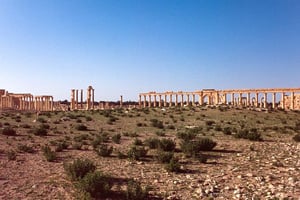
(25, 102)
(257, 98)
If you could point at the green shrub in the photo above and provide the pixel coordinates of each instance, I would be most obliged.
(41, 120)
(61, 146)
(25, 148)
(79, 168)
(164, 157)
(11, 155)
(152, 143)
(297, 137)
(173, 166)
(227, 130)
(167, 144)
(81, 137)
(134, 191)
(96, 184)
(103, 150)
(160, 133)
(81, 127)
(193, 147)
(138, 142)
(48, 153)
(252, 135)
(39, 131)
(88, 118)
(116, 138)
(156, 123)
(136, 153)
(8, 131)
(186, 135)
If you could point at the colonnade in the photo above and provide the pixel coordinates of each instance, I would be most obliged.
(240, 97)
(43, 103)
(26, 102)
(90, 99)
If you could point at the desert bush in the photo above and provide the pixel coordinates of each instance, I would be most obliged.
(11, 155)
(209, 122)
(102, 138)
(297, 137)
(9, 131)
(135, 191)
(160, 133)
(136, 153)
(218, 128)
(61, 146)
(164, 157)
(152, 143)
(104, 150)
(25, 126)
(79, 168)
(193, 147)
(88, 118)
(41, 120)
(25, 148)
(156, 123)
(252, 135)
(167, 144)
(201, 157)
(173, 165)
(170, 126)
(96, 184)
(227, 130)
(81, 137)
(77, 145)
(121, 155)
(137, 142)
(81, 127)
(186, 135)
(39, 131)
(116, 138)
(48, 153)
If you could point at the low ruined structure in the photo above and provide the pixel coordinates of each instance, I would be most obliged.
(90, 99)
(25, 102)
(238, 97)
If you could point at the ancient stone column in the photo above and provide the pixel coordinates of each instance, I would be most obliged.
(140, 101)
(201, 99)
(274, 101)
(149, 104)
(292, 101)
(76, 107)
(81, 98)
(256, 100)
(170, 101)
(145, 101)
(72, 99)
(265, 101)
(188, 100)
(52, 102)
(241, 99)
(93, 98)
(282, 101)
(248, 99)
(176, 99)
(181, 100)
(88, 99)
(232, 99)
(165, 102)
(155, 100)
(121, 101)
(193, 99)
(225, 98)
(159, 103)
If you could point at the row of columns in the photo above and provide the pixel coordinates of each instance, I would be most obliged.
(90, 100)
(44, 103)
(215, 98)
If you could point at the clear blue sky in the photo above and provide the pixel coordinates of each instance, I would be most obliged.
(132, 46)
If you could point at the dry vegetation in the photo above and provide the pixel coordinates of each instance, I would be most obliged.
(177, 153)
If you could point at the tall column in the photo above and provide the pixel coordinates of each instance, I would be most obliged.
(201, 99)
(159, 103)
(149, 104)
(274, 100)
(292, 101)
(170, 101)
(81, 98)
(165, 101)
(181, 100)
(188, 100)
(72, 99)
(52, 102)
(155, 100)
(76, 99)
(265, 101)
(140, 101)
(93, 98)
(283, 101)
(176, 99)
(232, 99)
(248, 99)
(121, 101)
(225, 98)
(193, 100)
(241, 99)
(145, 101)
(256, 99)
